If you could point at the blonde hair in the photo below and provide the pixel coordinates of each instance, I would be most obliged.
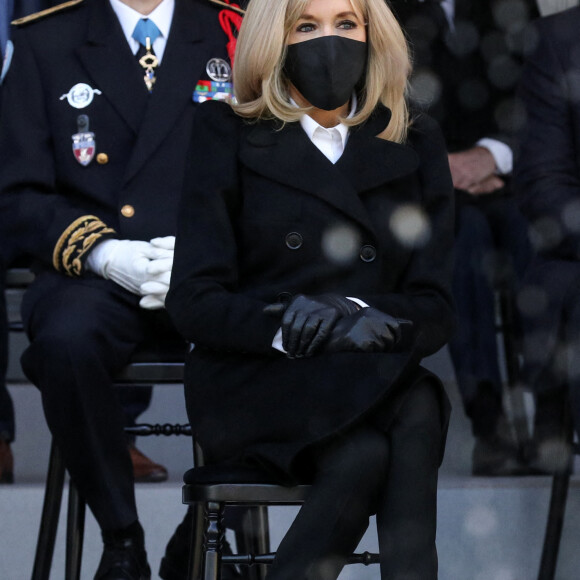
(261, 87)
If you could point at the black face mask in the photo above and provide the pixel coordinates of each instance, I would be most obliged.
(326, 69)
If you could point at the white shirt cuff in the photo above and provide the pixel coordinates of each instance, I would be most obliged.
(502, 154)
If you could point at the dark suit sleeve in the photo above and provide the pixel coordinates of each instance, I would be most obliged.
(203, 300)
(424, 294)
(546, 170)
(36, 213)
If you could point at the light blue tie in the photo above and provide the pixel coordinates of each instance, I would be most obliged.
(146, 28)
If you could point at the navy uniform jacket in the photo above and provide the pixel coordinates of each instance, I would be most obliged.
(56, 208)
(284, 220)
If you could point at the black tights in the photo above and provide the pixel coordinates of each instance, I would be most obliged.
(369, 470)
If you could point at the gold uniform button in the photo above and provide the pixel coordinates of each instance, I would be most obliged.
(102, 159)
(128, 211)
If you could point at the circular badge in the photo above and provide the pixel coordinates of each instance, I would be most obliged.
(80, 96)
(218, 70)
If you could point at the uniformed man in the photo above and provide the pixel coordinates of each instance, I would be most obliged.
(96, 121)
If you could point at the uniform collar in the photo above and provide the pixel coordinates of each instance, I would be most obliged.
(128, 18)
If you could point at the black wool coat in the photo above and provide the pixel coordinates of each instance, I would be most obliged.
(266, 216)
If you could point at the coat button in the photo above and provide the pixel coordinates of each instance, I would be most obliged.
(368, 253)
(284, 297)
(102, 159)
(128, 211)
(293, 240)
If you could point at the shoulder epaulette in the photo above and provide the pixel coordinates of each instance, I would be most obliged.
(38, 15)
(228, 6)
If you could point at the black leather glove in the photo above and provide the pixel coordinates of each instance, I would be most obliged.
(368, 330)
(308, 320)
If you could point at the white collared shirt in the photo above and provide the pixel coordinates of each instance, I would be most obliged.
(161, 16)
(331, 141)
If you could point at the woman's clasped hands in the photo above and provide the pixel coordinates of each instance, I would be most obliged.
(333, 323)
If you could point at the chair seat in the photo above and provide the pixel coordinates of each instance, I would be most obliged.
(233, 484)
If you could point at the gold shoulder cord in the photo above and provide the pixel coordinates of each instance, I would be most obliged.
(43, 13)
(228, 6)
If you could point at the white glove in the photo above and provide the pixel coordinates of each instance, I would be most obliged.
(166, 243)
(152, 302)
(162, 248)
(155, 289)
(122, 261)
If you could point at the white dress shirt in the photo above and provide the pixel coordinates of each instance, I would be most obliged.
(331, 141)
(161, 16)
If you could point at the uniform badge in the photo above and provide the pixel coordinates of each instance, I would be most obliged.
(212, 91)
(218, 70)
(84, 144)
(80, 96)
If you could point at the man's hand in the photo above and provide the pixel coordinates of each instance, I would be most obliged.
(473, 170)
(143, 268)
(155, 289)
(124, 262)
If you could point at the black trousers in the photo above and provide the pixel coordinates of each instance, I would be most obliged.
(82, 332)
(369, 470)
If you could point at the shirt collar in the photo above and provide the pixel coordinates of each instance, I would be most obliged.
(310, 125)
(128, 17)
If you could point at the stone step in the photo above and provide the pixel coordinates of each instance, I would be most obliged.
(488, 529)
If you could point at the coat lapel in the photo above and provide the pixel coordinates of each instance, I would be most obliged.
(107, 58)
(367, 162)
(182, 66)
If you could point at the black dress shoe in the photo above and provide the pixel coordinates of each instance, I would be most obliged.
(124, 556)
(6, 463)
(494, 457)
(175, 563)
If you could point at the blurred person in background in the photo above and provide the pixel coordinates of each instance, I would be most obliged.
(547, 176)
(467, 58)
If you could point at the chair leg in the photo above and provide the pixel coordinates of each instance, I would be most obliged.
(74, 533)
(512, 349)
(554, 526)
(213, 540)
(255, 538)
(50, 514)
(196, 544)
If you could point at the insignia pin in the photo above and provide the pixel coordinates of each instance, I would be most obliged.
(80, 96)
(218, 70)
(84, 145)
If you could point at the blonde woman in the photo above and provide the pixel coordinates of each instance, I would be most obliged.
(312, 273)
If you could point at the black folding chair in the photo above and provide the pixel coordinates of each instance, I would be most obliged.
(210, 489)
(141, 372)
